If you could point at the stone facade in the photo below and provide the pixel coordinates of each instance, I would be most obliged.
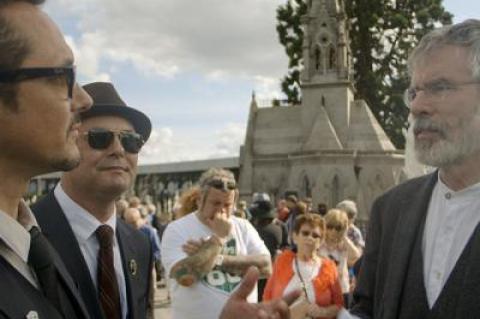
(330, 147)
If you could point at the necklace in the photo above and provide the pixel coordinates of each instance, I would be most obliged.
(310, 268)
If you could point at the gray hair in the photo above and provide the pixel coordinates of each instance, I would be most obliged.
(465, 34)
(349, 207)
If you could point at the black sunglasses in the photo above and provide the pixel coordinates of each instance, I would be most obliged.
(22, 74)
(100, 139)
(222, 184)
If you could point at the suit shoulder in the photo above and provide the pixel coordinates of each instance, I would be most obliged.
(409, 187)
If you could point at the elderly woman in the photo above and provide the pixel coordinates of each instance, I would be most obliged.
(305, 270)
(338, 247)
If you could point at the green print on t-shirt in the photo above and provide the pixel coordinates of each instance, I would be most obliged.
(219, 279)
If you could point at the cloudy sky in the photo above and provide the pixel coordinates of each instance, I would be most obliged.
(190, 65)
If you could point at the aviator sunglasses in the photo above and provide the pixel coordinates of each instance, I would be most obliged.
(100, 139)
(23, 74)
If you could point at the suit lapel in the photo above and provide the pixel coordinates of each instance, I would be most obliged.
(60, 234)
(129, 262)
(412, 210)
(468, 305)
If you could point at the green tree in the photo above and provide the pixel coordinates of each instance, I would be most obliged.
(382, 34)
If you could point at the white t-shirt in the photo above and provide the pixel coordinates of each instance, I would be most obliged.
(205, 298)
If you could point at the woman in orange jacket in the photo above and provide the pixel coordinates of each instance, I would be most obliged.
(317, 277)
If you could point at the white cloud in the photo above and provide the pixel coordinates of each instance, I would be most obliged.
(212, 37)
(229, 139)
(87, 56)
(166, 146)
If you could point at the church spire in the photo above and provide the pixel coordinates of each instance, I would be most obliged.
(326, 51)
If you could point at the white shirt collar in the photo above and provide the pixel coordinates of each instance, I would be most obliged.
(82, 222)
(15, 233)
(470, 192)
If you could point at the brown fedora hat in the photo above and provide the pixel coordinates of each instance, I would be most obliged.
(106, 101)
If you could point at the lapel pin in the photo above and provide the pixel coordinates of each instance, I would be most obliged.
(32, 315)
(133, 267)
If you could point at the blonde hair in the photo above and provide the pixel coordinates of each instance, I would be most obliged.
(336, 217)
(188, 202)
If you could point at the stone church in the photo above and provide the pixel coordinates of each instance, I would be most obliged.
(330, 147)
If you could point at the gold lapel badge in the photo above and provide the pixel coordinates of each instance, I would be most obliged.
(133, 267)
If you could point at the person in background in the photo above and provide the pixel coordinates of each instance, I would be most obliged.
(188, 202)
(353, 233)
(206, 253)
(339, 248)
(317, 277)
(263, 215)
(282, 210)
(242, 211)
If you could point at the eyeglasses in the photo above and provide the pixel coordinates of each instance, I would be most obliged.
(306, 233)
(100, 139)
(23, 74)
(222, 184)
(437, 90)
(338, 228)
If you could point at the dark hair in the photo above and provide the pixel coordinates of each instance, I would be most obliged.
(311, 219)
(14, 47)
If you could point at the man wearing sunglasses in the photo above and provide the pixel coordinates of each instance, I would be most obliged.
(207, 252)
(110, 261)
(39, 111)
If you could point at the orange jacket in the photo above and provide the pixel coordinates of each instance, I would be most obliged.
(326, 285)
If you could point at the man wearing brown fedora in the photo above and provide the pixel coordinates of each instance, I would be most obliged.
(110, 261)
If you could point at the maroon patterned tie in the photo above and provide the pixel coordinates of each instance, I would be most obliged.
(106, 278)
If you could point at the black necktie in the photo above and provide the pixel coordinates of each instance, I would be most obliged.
(106, 278)
(41, 259)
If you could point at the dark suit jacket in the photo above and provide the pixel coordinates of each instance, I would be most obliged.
(135, 252)
(19, 297)
(395, 220)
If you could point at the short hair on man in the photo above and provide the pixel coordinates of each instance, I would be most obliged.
(465, 34)
(14, 47)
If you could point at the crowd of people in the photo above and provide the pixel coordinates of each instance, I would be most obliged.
(80, 252)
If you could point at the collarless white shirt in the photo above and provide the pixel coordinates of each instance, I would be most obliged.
(451, 220)
(15, 240)
(84, 226)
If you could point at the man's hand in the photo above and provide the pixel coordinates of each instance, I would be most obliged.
(220, 224)
(238, 307)
(191, 247)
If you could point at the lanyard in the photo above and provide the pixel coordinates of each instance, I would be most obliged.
(304, 286)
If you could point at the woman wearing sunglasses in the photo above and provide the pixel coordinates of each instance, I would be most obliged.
(304, 269)
(339, 248)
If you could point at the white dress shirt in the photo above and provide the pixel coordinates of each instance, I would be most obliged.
(15, 240)
(451, 220)
(84, 226)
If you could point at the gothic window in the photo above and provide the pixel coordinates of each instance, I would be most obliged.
(306, 187)
(318, 58)
(332, 61)
(335, 191)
